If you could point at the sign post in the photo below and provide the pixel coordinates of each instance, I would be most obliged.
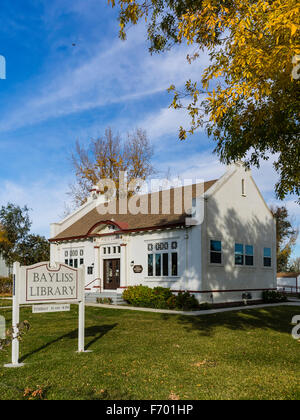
(81, 323)
(15, 321)
(45, 284)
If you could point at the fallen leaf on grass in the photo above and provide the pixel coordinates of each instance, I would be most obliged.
(205, 363)
(173, 396)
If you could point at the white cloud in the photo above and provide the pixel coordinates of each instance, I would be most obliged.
(120, 72)
(165, 121)
(202, 165)
(45, 199)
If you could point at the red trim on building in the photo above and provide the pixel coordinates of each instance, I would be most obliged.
(121, 225)
(119, 232)
(212, 291)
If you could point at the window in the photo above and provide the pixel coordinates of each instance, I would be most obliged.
(104, 250)
(150, 265)
(81, 261)
(165, 264)
(90, 270)
(244, 255)
(249, 257)
(174, 264)
(71, 263)
(67, 262)
(239, 254)
(158, 265)
(267, 257)
(75, 263)
(108, 250)
(243, 188)
(66, 253)
(216, 252)
(119, 249)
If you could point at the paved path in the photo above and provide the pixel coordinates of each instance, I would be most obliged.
(292, 302)
(195, 313)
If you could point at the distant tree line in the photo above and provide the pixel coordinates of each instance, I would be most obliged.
(16, 241)
(286, 238)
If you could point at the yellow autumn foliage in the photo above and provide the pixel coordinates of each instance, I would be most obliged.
(260, 40)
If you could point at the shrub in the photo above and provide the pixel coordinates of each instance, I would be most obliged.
(107, 301)
(139, 296)
(144, 296)
(171, 302)
(186, 301)
(159, 298)
(6, 285)
(272, 296)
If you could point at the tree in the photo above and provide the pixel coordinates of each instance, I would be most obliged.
(3, 236)
(33, 249)
(16, 242)
(15, 223)
(105, 157)
(286, 237)
(294, 266)
(248, 98)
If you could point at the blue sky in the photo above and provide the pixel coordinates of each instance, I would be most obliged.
(56, 93)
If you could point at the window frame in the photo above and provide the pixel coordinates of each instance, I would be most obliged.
(177, 265)
(245, 255)
(150, 257)
(167, 266)
(236, 253)
(168, 249)
(270, 258)
(249, 255)
(210, 251)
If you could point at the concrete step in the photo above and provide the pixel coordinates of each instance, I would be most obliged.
(116, 298)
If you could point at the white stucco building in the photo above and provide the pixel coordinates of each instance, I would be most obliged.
(229, 256)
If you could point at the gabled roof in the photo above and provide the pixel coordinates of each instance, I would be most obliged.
(84, 227)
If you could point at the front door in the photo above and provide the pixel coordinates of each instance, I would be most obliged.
(111, 274)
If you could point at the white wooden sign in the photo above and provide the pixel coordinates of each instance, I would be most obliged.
(48, 284)
(42, 309)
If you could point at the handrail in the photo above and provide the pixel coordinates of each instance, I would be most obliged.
(86, 287)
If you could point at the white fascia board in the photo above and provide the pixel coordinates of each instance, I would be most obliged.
(58, 227)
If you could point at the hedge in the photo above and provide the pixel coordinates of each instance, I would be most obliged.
(160, 298)
(272, 296)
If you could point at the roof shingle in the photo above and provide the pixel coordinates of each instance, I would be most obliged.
(130, 222)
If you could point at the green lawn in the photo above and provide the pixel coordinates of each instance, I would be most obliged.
(138, 355)
(5, 302)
